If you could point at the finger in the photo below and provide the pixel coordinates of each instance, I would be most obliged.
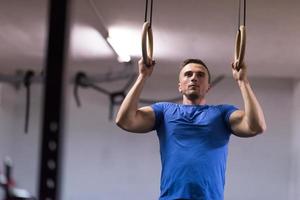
(153, 62)
(242, 65)
(232, 66)
(235, 66)
(141, 62)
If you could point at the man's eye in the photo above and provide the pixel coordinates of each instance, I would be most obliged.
(201, 75)
(188, 74)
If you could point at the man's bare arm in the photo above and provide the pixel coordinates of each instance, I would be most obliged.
(251, 121)
(130, 117)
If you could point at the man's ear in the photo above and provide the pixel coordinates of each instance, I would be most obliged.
(208, 88)
(179, 87)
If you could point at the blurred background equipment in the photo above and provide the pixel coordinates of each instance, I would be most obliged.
(8, 184)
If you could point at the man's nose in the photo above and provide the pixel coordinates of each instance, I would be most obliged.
(194, 77)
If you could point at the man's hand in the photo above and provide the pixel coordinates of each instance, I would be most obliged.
(239, 72)
(145, 70)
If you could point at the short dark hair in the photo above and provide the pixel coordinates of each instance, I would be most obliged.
(196, 61)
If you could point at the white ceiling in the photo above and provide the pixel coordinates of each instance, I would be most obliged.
(182, 29)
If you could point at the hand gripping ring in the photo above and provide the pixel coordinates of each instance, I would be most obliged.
(240, 46)
(147, 43)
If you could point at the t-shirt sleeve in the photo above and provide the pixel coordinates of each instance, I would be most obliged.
(227, 110)
(158, 109)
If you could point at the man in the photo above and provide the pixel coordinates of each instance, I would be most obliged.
(193, 136)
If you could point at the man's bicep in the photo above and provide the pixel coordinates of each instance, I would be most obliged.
(239, 124)
(145, 120)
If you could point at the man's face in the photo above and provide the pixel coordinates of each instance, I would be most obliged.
(193, 81)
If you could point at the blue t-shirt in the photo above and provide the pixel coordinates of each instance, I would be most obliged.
(193, 146)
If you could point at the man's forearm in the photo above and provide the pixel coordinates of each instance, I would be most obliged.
(129, 105)
(253, 111)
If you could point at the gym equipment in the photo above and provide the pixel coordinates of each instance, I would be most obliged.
(240, 42)
(9, 186)
(115, 97)
(27, 82)
(147, 37)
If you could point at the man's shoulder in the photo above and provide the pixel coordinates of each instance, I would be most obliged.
(164, 103)
(162, 106)
(224, 108)
(221, 105)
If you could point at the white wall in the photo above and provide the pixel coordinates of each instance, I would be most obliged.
(295, 170)
(5, 121)
(5, 124)
(104, 162)
(23, 149)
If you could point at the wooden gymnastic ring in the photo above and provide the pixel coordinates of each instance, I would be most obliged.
(240, 46)
(147, 43)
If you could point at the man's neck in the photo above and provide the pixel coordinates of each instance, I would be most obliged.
(199, 101)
